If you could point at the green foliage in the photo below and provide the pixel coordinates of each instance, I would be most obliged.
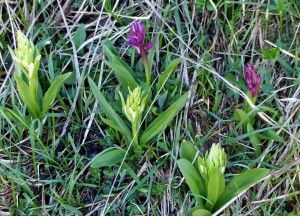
(107, 158)
(254, 139)
(208, 183)
(53, 91)
(193, 179)
(164, 119)
(28, 99)
(68, 161)
(188, 151)
(215, 188)
(112, 54)
(239, 183)
(116, 120)
(164, 76)
(271, 54)
(246, 120)
(201, 212)
(79, 37)
(122, 74)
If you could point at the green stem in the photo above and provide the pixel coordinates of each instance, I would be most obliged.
(247, 107)
(135, 135)
(147, 71)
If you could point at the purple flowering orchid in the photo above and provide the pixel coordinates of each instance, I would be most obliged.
(138, 36)
(252, 79)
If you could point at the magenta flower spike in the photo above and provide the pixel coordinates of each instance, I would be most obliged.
(138, 36)
(252, 79)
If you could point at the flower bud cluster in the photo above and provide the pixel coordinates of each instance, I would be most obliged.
(27, 55)
(215, 159)
(134, 105)
(252, 79)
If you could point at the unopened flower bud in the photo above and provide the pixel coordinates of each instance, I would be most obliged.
(252, 79)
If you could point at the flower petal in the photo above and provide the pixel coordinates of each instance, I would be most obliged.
(149, 45)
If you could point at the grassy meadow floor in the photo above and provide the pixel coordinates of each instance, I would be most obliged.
(51, 174)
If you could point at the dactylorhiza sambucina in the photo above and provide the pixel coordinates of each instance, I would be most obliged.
(26, 55)
(137, 39)
(252, 79)
(133, 109)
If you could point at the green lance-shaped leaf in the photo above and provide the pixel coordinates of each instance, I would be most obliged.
(111, 124)
(53, 91)
(188, 151)
(165, 118)
(122, 74)
(27, 98)
(240, 183)
(72, 209)
(166, 74)
(109, 50)
(240, 115)
(193, 179)
(79, 37)
(215, 187)
(13, 115)
(254, 140)
(270, 135)
(110, 112)
(108, 157)
(113, 56)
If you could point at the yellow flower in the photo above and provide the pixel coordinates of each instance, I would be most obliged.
(134, 106)
(27, 55)
(215, 159)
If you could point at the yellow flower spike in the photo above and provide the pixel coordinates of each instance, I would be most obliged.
(27, 59)
(27, 55)
(134, 106)
(215, 159)
(133, 109)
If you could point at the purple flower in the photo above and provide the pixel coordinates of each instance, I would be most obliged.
(252, 79)
(138, 36)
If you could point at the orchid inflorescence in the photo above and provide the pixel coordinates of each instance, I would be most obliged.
(214, 159)
(137, 40)
(27, 55)
(133, 109)
(27, 58)
(252, 79)
(246, 115)
(138, 36)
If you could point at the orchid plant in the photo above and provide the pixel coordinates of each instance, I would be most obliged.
(246, 116)
(205, 177)
(27, 62)
(137, 40)
(143, 123)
